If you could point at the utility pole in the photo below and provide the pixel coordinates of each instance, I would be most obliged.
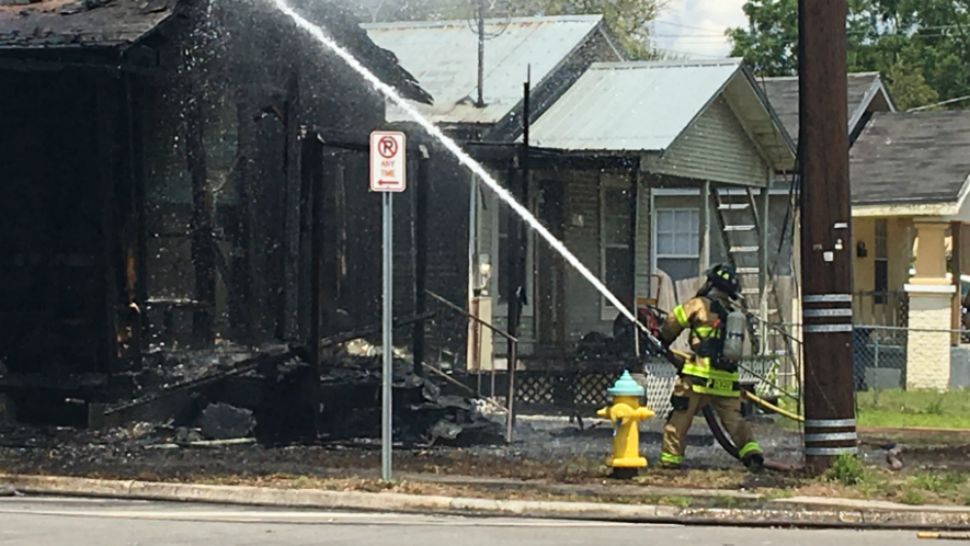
(830, 428)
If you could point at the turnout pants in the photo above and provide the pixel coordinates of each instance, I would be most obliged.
(687, 404)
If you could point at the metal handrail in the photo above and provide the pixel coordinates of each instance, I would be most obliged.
(459, 310)
(513, 359)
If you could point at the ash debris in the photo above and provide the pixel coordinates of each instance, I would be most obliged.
(271, 396)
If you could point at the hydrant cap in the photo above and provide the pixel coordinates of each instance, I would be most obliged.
(626, 386)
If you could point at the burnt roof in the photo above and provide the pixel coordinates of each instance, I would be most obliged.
(911, 158)
(60, 24)
(783, 94)
(74, 23)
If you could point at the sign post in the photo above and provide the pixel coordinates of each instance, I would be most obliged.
(388, 175)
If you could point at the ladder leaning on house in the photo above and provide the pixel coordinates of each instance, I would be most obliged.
(743, 234)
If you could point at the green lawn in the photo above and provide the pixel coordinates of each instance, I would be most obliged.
(899, 408)
(936, 487)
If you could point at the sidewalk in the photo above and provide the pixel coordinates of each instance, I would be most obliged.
(798, 512)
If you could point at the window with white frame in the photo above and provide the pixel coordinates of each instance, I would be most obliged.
(616, 233)
(677, 241)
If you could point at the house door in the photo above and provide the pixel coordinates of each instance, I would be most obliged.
(550, 273)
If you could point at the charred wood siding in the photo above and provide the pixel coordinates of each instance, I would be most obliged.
(449, 193)
(54, 303)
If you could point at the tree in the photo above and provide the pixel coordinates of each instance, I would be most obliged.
(909, 87)
(628, 20)
(770, 42)
(921, 47)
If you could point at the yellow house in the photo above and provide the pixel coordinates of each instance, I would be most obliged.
(909, 175)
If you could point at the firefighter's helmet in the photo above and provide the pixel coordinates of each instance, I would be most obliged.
(725, 278)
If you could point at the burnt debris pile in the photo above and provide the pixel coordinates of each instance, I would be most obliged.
(270, 396)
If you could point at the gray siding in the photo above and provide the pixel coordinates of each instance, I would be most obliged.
(716, 148)
(583, 307)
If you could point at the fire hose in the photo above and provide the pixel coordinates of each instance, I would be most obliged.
(721, 435)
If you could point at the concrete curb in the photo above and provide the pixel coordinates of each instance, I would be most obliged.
(791, 516)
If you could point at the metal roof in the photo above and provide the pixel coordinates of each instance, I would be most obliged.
(911, 158)
(863, 89)
(443, 56)
(634, 106)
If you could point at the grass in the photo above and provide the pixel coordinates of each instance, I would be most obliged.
(679, 502)
(846, 470)
(912, 496)
(898, 408)
(851, 478)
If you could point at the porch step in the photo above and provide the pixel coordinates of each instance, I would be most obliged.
(740, 228)
(748, 271)
(743, 250)
(750, 291)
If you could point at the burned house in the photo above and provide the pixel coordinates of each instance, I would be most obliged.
(162, 166)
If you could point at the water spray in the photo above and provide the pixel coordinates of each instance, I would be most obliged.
(391, 93)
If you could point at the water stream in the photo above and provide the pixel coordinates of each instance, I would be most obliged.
(330, 44)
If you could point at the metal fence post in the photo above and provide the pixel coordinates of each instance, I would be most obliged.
(510, 423)
(876, 355)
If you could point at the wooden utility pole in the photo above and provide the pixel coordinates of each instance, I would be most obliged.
(830, 428)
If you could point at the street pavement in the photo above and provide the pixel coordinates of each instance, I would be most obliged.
(91, 522)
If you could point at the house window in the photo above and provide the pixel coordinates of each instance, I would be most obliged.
(616, 257)
(881, 263)
(677, 242)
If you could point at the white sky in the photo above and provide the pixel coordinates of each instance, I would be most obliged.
(695, 28)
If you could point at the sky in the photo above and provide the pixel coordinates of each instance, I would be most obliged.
(695, 28)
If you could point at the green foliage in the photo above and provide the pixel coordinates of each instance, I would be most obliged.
(914, 497)
(939, 482)
(679, 502)
(922, 47)
(846, 470)
(770, 43)
(909, 87)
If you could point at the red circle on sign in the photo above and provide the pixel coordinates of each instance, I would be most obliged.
(387, 147)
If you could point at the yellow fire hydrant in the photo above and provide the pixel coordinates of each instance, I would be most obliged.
(626, 414)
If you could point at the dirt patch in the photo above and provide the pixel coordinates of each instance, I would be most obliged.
(548, 456)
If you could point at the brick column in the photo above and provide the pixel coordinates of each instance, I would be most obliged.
(930, 308)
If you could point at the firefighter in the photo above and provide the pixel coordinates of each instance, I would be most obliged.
(710, 377)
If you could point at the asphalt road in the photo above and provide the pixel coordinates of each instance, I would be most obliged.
(86, 522)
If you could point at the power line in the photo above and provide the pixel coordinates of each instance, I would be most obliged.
(681, 25)
(943, 103)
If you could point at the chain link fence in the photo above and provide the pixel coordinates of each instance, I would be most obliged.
(879, 357)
